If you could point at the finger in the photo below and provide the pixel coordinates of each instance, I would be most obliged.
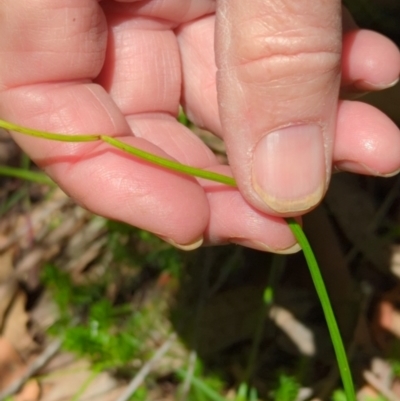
(233, 220)
(103, 180)
(370, 62)
(142, 74)
(367, 141)
(199, 91)
(278, 80)
(174, 138)
(162, 12)
(196, 41)
(68, 46)
(141, 70)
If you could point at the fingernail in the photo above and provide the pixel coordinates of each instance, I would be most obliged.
(381, 85)
(289, 168)
(262, 247)
(361, 168)
(184, 247)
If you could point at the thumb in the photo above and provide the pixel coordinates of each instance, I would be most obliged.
(278, 81)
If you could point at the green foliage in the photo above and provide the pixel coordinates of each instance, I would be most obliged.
(246, 394)
(204, 385)
(339, 395)
(141, 394)
(68, 295)
(26, 175)
(106, 333)
(395, 364)
(182, 118)
(287, 390)
(393, 354)
(107, 346)
(139, 247)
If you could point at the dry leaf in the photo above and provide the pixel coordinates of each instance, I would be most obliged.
(395, 260)
(6, 265)
(15, 326)
(11, 369)
(7, 292)
(386, 320)
(65, 384)
(8, 283)
(11, 365)
(300, 334)
(30, 392)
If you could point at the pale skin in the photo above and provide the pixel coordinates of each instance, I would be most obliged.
(122, 69)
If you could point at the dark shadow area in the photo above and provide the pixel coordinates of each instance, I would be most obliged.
(219, 307)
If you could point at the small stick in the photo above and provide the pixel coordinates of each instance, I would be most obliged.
(36, 365)
(146, 368)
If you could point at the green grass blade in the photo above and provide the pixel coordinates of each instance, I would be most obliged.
(200, 385)
(27, 175)
(333, 328)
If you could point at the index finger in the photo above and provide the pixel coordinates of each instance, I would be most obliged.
(51, 51)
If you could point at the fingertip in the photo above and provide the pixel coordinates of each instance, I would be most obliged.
(233, 220)
(367, 141)
(370, 61)
(185, 247)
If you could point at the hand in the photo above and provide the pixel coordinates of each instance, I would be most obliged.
(279, 77)
(122, 68)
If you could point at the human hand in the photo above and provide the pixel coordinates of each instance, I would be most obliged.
(60, 73)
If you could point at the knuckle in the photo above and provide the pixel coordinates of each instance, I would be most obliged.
(260, 52)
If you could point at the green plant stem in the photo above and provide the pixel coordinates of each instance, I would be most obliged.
(327, 308)
(277, 265)
(47, 135)
(188, 170)
(169, 164)
(85, 385)
(200, 385)
(27, 175)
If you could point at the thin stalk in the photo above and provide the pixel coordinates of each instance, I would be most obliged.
(323, 296)
(47, 135)
(200, 385)
(27, 175)
(192, 171)
(277, 266)
(169, 164)
(85, 385)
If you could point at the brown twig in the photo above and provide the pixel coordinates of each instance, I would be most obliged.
(36, 365)
(146, 369)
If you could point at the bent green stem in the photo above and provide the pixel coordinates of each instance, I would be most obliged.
(209, 175)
